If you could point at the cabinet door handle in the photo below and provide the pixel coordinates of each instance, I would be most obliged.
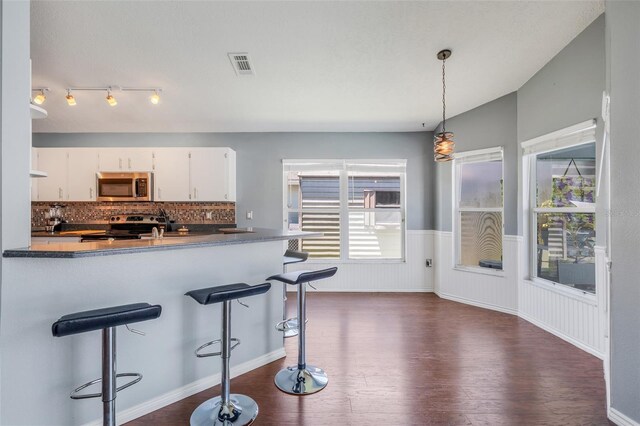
(90, 193)
(129, 162)
(120, 163)
(60, 193)
(195, 193)
(189, 195)
(226, 196)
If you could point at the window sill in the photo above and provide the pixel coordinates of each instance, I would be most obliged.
(353, 261)
(564, 290)
(478, 270)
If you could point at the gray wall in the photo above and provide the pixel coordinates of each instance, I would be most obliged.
(15, 136)
(566, 91)
(259, 162)
(623, 39)
(490, 125)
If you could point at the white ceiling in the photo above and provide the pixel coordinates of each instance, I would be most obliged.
(320, 66)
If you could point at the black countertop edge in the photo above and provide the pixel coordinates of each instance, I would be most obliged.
(140, 246)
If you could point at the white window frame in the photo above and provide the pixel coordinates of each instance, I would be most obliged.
(344, 166)
(468, 157)
(573, 136)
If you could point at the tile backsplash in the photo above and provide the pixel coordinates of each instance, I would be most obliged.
(99, 212)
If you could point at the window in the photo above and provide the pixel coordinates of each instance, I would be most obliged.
(562, 180)
(478, 208)
(357, 205)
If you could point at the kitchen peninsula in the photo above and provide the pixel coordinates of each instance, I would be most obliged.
(57, 279)
(107, 247)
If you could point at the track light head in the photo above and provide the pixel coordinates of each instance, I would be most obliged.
(155, 98)
(40, 98)
(71, 101)
(110, 99)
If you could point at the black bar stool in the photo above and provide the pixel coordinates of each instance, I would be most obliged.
(106, 319)
(302, 379)
(289, 325)
(228, 408)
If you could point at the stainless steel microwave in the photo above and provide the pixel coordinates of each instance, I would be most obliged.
(126, 186)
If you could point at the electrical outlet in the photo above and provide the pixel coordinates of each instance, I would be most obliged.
(250, 215)
(209, 215)
(429, 263)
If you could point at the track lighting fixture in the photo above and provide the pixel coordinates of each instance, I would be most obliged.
(70, 99)
(111, 100)
(40, 97)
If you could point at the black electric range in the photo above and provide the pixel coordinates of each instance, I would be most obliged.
(128, 227)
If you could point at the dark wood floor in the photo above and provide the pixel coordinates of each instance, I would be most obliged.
(415, 359)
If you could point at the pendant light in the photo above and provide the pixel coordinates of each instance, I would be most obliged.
(443, 143)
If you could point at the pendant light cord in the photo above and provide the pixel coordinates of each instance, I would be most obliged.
(444, 105)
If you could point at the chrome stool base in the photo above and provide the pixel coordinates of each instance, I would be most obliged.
(207, 413)
(295, 381)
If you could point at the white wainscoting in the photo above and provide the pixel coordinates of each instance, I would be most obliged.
(576, 318)
(580, 320)
(478, 288)
(382, 276)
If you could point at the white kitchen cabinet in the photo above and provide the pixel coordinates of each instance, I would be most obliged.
(212, 174)
(54, 162)
(180, 174)
(138, 159)
(82, 168)
(110, 159)
(171, 174)
(34, 167)
(125, 159)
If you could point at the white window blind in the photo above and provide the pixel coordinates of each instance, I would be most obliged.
(357, 204)
(478, 208)
(490, 154)
(578, 134)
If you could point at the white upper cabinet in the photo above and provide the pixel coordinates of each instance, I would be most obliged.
(138, 159)
(125, 159)
(54, 162)
(83, 165)
(210, 174)
(180, 174)
(171, 174)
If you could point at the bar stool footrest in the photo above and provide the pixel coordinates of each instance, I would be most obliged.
(75, 395)
(213, 342)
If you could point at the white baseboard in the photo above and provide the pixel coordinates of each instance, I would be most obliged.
(561, 335)
(190, 389)
(475, 303)
(368, 290)
(620, 419)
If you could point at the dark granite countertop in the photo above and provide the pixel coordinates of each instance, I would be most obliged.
(106, 248)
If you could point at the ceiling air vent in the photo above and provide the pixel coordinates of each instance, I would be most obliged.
(241, 63)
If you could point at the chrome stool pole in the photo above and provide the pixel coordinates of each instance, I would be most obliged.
(109, 376)
(289, 326)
